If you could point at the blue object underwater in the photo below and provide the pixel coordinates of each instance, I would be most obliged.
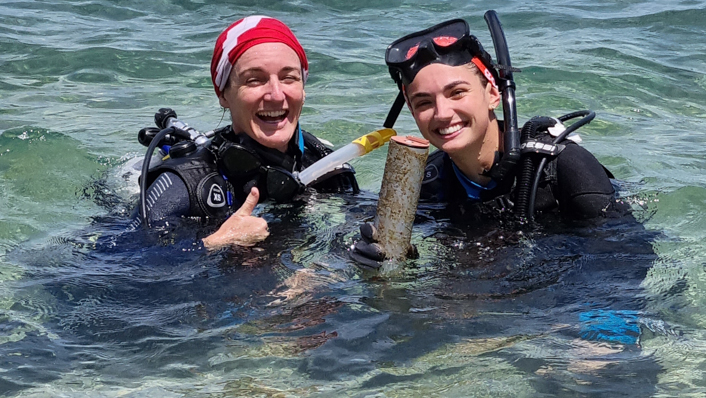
(612, 326)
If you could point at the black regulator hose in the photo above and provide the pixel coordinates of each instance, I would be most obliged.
(511, 141)
(529, 163)
(588, 115)
(146, 166)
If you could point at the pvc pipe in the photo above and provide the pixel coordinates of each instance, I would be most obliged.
(399, 194)
(358, 147)
(330, 162)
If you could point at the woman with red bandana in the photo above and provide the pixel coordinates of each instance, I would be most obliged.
(258, 70)
(452, 89)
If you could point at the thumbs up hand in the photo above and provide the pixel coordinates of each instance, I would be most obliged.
(241, 228)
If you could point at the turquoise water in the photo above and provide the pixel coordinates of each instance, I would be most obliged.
(481, 313)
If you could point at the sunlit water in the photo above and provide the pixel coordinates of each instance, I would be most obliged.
(614, 309)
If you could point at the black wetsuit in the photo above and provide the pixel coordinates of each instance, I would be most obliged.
(574, 182)
(194, 185)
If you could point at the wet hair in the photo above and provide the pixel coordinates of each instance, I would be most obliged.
(484, 80)
(474, 68)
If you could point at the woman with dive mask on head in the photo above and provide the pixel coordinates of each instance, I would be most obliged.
(452, 89)
(258, 71)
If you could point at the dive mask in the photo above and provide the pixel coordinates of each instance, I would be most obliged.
(448, 43)
(243, 164)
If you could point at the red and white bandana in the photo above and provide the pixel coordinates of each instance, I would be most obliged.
(244, 34)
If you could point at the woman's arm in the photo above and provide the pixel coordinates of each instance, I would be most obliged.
(584, 188)
(166, 197)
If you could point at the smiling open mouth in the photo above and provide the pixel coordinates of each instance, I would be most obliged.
(272, 116)
(451, 129)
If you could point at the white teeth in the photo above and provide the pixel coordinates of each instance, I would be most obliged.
(451, 129)
(272, 113)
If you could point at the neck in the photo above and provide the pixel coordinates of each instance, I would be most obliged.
(479, 158)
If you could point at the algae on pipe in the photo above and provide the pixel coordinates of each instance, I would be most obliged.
(399, 194)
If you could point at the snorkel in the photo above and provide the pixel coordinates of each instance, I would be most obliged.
(506, 85)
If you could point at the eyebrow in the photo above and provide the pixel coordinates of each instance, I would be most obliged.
(256, 69)
(446, 87)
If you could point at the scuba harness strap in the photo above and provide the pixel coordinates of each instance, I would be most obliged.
(208, 192)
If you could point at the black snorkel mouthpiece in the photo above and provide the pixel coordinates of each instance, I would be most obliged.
(506, 85)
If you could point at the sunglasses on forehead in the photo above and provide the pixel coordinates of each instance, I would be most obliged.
(449, 43)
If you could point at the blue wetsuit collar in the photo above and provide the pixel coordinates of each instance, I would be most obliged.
(300, 139)
(473, 189)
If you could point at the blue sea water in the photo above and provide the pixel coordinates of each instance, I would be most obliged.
(567, 310)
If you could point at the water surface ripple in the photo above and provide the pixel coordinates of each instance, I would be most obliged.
(614, 309)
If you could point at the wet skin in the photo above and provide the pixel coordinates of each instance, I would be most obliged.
(265, 94)
(454, 111)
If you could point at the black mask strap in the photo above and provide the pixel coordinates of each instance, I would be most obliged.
(394, 111)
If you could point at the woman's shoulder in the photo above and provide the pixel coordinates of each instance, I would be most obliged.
(584, 188)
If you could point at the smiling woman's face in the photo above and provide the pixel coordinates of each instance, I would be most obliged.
(265, 94)
(452, 107)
